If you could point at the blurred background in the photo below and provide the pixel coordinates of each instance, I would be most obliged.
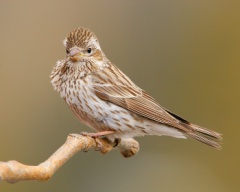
(184, 53)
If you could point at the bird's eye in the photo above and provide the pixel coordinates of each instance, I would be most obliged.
(67, 51)
(89, 50)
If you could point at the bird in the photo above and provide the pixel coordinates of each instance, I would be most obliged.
(108, 101)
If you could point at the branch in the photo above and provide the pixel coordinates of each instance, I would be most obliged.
(13, 171)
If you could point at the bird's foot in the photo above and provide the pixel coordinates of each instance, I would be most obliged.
(98, 138)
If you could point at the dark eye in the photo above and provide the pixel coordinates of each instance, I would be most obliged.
(89, 50)
(67, 51)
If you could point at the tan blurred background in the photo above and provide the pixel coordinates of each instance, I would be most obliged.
(184, 53)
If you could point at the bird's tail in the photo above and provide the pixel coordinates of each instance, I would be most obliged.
(204, 135)
(199, 133)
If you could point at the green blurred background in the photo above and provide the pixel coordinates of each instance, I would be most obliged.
(184, 53)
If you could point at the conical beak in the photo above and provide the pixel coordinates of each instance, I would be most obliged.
(76, 55)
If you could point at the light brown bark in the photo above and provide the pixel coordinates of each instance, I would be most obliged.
(13, 171)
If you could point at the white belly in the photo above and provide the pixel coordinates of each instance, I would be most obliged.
(102, 115)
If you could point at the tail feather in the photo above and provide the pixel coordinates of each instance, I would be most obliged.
(199, 133)
(205, 136)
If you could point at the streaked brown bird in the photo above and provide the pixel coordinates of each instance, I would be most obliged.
(105, 99)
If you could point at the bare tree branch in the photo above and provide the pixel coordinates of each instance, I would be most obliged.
(13, 171)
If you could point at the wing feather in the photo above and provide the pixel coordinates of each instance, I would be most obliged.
(112, 85)
(123, 92)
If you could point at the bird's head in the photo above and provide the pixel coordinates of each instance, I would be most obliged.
(83, 46)
(83, 56)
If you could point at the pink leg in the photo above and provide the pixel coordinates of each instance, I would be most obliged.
(97, 134)
(96, 137)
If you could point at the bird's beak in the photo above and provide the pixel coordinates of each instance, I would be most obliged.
(76, 55)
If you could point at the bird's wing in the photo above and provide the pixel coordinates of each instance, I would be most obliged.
(112, 85)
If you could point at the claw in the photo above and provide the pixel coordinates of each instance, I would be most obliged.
(117, 141)
(98, 137)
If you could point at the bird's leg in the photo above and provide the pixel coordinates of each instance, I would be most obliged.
(96, 136)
